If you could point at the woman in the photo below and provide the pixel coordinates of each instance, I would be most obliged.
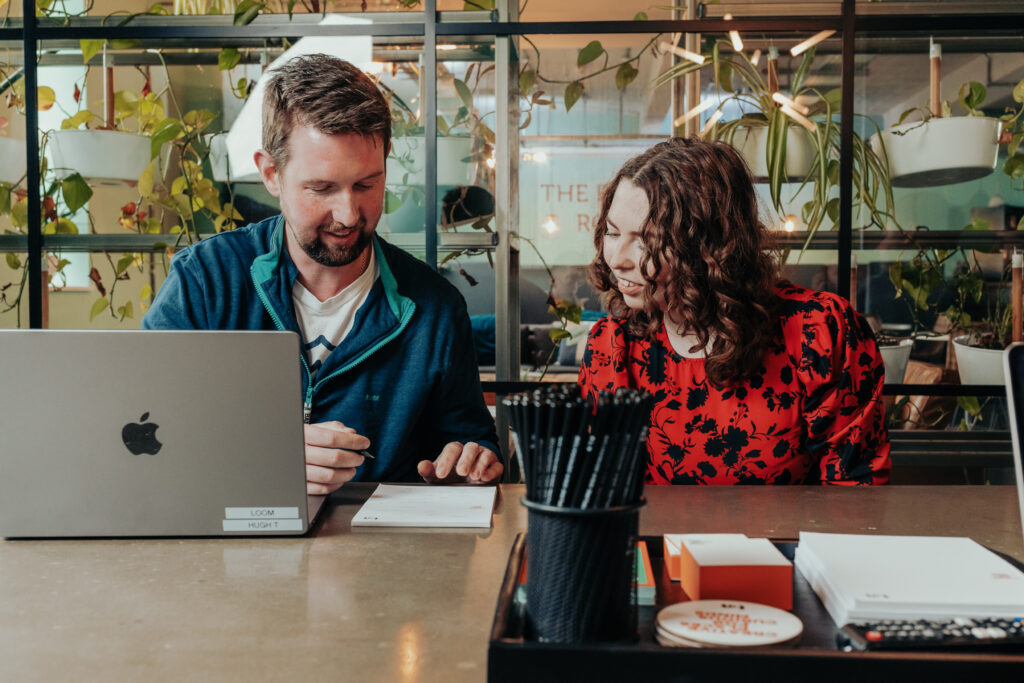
(756, 381)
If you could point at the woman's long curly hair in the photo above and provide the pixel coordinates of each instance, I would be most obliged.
(703, 226)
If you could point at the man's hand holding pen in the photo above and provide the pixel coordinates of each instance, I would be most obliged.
(334, 451)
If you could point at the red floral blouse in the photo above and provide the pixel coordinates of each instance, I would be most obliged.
(812, 414)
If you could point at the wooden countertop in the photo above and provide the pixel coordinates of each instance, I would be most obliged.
(372, 605)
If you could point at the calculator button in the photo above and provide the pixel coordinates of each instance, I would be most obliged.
(874, 636)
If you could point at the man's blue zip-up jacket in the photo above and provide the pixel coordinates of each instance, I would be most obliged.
(405, 376)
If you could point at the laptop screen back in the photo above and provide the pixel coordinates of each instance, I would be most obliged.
(145, 433)
(1013, 366)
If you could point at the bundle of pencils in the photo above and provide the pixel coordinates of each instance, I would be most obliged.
(578, 454)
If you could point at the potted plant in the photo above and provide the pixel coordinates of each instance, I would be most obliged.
(942, 149)
(790, 138)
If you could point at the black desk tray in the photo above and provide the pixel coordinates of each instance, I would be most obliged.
(513, 659)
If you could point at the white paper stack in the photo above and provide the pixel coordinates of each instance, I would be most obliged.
(421, 505)
(859, 577)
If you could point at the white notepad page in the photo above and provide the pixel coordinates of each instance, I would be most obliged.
(875, 576)
(428, 506)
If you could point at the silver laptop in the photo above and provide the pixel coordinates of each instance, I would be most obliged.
(144, 433)
(1013, 366)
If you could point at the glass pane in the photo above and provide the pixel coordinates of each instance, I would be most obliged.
(13, 287)
(203, 123)
(936, 281)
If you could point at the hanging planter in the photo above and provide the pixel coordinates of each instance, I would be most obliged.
(104, 157)
(752, 145)
(977, 365)
(13, 153)
(939, 151)
(895, 356)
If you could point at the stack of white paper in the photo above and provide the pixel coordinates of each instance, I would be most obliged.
(428, 506)
(860, 577)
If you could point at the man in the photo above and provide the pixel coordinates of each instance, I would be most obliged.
(387, 361)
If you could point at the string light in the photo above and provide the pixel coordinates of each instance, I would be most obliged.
(756, 57)
(550, 224)
(703, 106)
(540, 157)
(681, 52)
(790, 223)
(810, 42)
(793, 104)
(734, 36)
(446, 47)
(711, 121)
(490, 162)
(798, 117)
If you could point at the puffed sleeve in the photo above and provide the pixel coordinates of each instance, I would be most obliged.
(604, 364)
(842, 373)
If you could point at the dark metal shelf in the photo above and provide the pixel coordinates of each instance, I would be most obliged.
(894, 239)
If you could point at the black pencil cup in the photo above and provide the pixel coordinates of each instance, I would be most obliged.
(580, 573)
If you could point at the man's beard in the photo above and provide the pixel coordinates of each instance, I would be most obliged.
(340, 255)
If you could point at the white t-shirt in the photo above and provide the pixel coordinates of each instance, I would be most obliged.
(325, 324)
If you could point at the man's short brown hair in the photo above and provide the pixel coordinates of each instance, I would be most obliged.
(324, 92)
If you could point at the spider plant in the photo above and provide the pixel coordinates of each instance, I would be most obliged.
(739, 80)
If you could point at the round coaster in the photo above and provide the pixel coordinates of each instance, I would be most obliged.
(726, 623)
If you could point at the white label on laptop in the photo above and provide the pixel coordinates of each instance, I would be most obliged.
(261, 513)
(257, 525)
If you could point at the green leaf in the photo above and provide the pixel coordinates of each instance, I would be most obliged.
(198, 118)
(145, 185)
(392, 202)
(98, 307)
(90, 47)
(972, 95)
(122, 43)
(13, 262)
(247, 10)
(832, 209)
(146, 293)
(19, 213)
(969, 404)
(573, 92)
(1014, 166)
(125, 311)
(126, 102)
(123, 263)
(228, 58)
(801, 71)
(76, 191)
(725, 76)
(1018, 92)
(557, 334)
(165, 131)
(464, 93)
(775, 151)
(526, 81)
(592, 51)
(625, 75)
(640, 16)
(904, 115)
(61, 226)
(73, 122)
(442, 125)
(5, 199)
(834, 99)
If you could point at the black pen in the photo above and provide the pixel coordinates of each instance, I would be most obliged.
(367, 454)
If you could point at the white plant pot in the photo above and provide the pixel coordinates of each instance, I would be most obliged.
(978, 366)
(451, 169)
(14, 161)
(102, 156)
(895, 357)
(752, 145)
(939, 151)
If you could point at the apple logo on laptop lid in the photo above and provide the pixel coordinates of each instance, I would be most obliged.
(140, 437)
